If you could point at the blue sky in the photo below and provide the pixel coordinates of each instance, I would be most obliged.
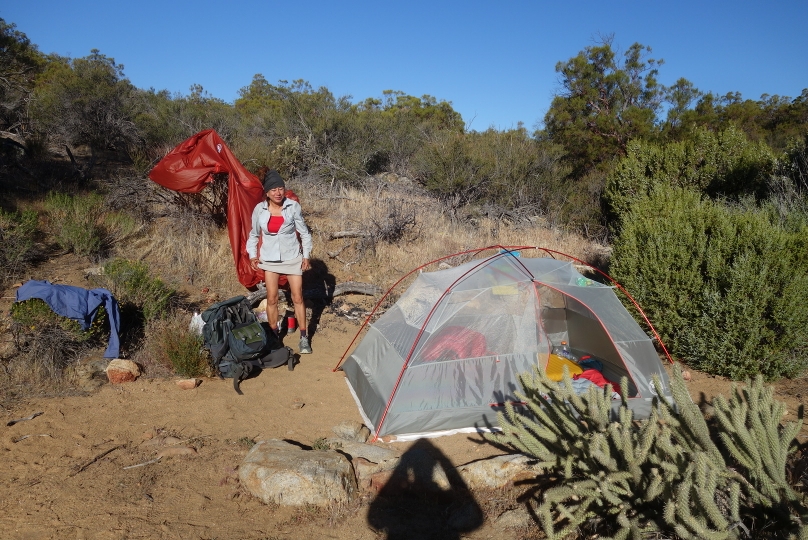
(495, 61)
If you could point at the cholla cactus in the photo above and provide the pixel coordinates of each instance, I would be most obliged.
(665, 474)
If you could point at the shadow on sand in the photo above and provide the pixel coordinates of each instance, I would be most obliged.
(417, 503)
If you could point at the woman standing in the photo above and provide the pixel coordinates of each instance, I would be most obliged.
(277, 221)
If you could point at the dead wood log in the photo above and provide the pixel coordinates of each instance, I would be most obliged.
(320, 293)
(349, 234)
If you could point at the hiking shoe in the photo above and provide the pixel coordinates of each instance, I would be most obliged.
(304, 346)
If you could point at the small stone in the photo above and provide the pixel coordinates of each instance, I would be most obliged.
(121, 371)
(686, 375)
(297, 403)
(189, 384)
(351, 430)
(514, 519)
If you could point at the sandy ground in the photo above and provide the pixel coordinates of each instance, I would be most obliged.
(64, 474)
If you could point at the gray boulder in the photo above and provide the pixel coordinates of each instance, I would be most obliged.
(498, 471)
(279, 472)
(376, 454)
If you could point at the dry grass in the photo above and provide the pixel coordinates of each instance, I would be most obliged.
(405, 229)
(433, 235)
(185, 250)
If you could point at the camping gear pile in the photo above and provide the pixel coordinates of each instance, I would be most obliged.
(446, 357)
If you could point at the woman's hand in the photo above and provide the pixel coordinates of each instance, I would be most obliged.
(254, 263)
(305, 265)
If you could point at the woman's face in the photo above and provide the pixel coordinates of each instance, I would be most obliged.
(276, 195)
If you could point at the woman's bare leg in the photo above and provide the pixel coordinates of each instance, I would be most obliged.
(296, 286)
(271, 282)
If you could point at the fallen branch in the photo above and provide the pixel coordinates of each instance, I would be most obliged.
(349, 287)
(96, 458)
(23, 437)
(350, 234)
(18, 420)
(155, 460)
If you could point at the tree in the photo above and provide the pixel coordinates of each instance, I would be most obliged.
(20, 62)
(604, 103)
(85, 101)
(681, 96)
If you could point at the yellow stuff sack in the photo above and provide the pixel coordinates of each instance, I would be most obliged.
(555, 367)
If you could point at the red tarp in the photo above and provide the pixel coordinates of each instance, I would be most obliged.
(189, 167)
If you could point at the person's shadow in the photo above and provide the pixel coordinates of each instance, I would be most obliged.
(416, 502)
(318, 286)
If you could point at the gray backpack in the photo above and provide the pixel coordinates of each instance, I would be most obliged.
(239, 344)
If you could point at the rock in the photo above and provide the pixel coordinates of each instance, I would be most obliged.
(95, 271)
(7, 348)
(121, 371)
(498, 471)
(89, 373)
(189, 384)
(376, 454)
(367, 459)
(686, 375)
(416, 472)
(280, 472)
(466, 518)
(351, 430)
(514, 519)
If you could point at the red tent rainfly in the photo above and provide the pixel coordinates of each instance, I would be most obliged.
(190, 166)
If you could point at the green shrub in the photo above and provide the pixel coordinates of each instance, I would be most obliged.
(17, 233)
(50, 342)
(76, 222)
(35, 316)
(131, 283)
(722, 164)
(726, 287)
(183, 351)
(671, 474)
(119, 226)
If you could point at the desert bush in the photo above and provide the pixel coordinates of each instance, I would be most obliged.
(507, 174)
(132, 283)
(35, 316)
(76, 221)
(726, 286)
(724, 164)
(17, 233)
(674, 473)
(49, 342)
(175, 346)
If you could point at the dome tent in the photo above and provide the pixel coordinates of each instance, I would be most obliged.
(446, 357)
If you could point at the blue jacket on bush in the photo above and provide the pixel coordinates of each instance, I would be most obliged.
(78, 304)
